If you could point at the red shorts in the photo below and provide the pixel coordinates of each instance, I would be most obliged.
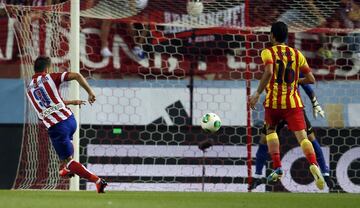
(294, 117)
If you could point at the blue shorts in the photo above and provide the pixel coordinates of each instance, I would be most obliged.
(61, 135)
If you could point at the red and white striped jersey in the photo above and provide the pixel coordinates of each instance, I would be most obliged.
(43, 93)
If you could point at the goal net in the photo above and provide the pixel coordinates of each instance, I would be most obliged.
(156, 70)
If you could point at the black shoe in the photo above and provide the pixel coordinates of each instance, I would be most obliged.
(256, 182)
(101, 186)
(329, 182)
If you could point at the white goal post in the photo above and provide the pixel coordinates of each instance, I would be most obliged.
(74, 86)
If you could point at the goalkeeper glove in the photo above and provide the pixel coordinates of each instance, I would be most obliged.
(317, 108)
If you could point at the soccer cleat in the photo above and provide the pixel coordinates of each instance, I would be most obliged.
(319, 179)
(66, 173)
(256, 182)
(100, 186)
(329, 182)
(275, 175)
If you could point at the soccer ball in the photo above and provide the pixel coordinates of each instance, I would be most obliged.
(195, 7)
(210, 122)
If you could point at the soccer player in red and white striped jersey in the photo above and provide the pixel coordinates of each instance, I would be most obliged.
(43, 93)
(283, 65)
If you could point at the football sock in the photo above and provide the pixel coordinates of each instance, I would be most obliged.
(261, 157)
(320, 157)
(308, 150)
(80, 170)
(276, 160)
(273, 145)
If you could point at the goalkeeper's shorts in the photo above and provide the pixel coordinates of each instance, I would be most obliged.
(61, 135)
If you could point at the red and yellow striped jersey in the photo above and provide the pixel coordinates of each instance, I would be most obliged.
(282, 90)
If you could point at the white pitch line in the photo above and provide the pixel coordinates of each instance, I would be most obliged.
(189, 187)
(168, 170)
(105, 150)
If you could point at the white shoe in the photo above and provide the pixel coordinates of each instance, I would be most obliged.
(105, 52)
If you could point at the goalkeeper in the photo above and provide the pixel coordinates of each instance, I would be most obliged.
(262, 152)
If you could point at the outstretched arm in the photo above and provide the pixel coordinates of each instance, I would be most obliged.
(308, 79)
(83, 83)
(308, 90)
(75, 102)
(317, 110)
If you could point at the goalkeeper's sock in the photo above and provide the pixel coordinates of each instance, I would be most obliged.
(320, 157)
(261, 157)
(308, 150)
(80, 170)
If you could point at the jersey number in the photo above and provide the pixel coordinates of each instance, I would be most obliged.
(289, 75)
(41, 96)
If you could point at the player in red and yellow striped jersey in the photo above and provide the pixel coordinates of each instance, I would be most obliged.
(283, 65)
(282, 90)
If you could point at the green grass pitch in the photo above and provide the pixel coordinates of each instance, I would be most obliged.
(87, 199)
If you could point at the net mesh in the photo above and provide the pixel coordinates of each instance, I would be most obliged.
(168, 68)
(38, 31)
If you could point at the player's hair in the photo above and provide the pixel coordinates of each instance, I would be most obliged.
(42, 63)
(279, 31)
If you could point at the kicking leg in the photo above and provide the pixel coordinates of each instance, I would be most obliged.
(321, 161)
(319, 155)
(80, 170)
(64, 149)
(309, 153)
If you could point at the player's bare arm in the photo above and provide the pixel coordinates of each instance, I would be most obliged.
(75, 102)
(84, 84)
(265, 79)
(308, 79)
